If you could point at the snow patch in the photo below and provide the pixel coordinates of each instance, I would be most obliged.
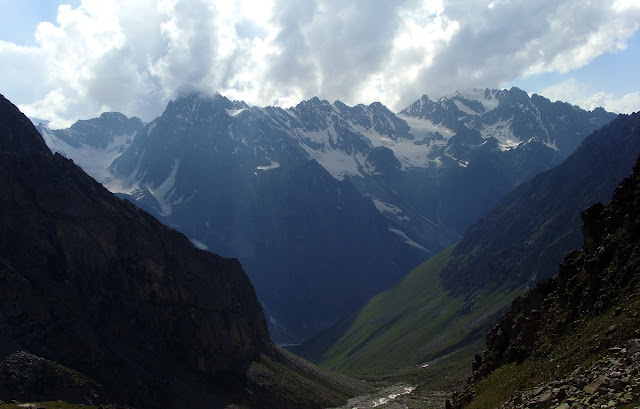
(129, 183)
(165, 191)
(386, 207)
(95, 161)
(199, 244)
(405, 150)
(551, 145)
(406, 238)
(272, 165)
(234, 112)
(502, 131)
(336, 162)
(490, 101)
(424, 130)
(317, 144)
(463, 108)
(318, 137)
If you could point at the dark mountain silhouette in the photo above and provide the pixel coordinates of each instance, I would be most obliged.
(101, 302)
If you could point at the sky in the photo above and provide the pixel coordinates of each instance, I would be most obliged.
(67, 60)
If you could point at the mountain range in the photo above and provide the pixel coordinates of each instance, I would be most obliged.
(324, 204)
(96, 288)
(441, 311)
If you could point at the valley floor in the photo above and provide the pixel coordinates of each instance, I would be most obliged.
(399, 396)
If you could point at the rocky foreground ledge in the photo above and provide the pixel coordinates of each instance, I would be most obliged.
(611, 382)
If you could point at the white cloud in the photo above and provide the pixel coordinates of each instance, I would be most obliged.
(572, 91)
(134, 56)
(53, 105)
(626, 104)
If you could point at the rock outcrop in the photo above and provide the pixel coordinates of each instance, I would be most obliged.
(24, 377)
(610, 382)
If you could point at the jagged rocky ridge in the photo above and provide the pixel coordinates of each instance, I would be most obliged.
(93, 144)
(97, 291)
(590, 309)
(237, 179)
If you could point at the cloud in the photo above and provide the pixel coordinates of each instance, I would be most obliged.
(580, 94)
(135, 56)
(503, 40)
(626, 104)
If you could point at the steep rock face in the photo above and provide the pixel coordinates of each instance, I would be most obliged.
(522, 239)
(94, 283)
(594, 288)
(588, 283)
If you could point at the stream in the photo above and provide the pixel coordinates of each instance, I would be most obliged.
(399, 397)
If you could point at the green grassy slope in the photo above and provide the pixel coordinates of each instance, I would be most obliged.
(565, 324)
(284, 380)
(525, 236)
(454, 299)
(410, 325)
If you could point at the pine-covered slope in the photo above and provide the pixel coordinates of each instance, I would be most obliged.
(99, 302)
(571, 341)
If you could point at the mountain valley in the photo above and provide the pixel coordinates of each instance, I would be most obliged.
(257, 192)
(429, 326)
(324, 204)
(319, 204)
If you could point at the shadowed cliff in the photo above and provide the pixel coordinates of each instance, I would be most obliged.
(99, 302)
